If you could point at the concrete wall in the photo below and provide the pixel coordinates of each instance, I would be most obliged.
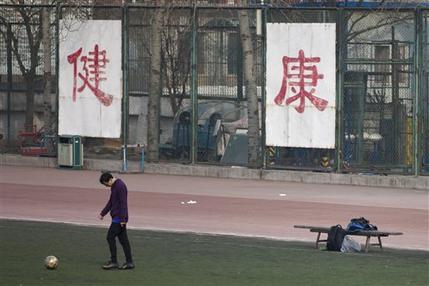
(391, 181)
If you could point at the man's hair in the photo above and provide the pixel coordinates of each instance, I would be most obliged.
(105, 178)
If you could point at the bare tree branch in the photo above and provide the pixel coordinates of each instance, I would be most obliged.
(381, 23)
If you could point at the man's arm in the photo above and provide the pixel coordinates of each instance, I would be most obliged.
(123, 204)
(107, 208)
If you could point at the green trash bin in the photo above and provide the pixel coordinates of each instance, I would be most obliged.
(70, 151)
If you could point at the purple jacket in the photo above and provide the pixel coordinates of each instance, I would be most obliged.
(117, 204)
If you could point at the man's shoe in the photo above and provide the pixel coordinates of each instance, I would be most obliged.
(110, 265)
(127, 266)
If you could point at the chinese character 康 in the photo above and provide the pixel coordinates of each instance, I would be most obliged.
(299, 76)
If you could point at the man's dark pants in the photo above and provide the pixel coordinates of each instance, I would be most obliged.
(116, 230)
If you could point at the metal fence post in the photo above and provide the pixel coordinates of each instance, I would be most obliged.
(424, 87)
(9, 78)
(342, 45)
(57, 63)
(125, 85)
(264, 86)
(418, 61)
(194, 91)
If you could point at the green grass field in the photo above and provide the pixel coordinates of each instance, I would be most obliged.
(172, 259)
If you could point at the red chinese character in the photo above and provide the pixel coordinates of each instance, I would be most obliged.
(93, 66)
(300, 75)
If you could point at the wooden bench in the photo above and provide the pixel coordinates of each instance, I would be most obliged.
(367, 233)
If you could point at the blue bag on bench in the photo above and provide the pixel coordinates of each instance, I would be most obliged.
(357, 224)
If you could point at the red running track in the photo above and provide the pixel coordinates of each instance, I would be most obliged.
(223, 206)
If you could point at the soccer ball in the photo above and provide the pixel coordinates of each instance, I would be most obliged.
(51, 262)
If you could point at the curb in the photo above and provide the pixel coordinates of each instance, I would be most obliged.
(391, 181)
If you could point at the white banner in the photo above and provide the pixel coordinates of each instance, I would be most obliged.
(90, 78)
(300, 101)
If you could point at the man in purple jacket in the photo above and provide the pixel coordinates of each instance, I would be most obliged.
(118, 207)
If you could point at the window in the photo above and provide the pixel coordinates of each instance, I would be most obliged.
(382, 71)
(386, 72)
(233, 53)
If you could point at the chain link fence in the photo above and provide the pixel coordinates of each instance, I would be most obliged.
(379, 88)
(176, 110)
(23, 127)
(201, 73)
(139, 31)
(221, 101)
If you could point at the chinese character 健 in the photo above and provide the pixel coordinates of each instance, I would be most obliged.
(93, 69)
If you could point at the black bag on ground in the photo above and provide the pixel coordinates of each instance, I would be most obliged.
(335, 238)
